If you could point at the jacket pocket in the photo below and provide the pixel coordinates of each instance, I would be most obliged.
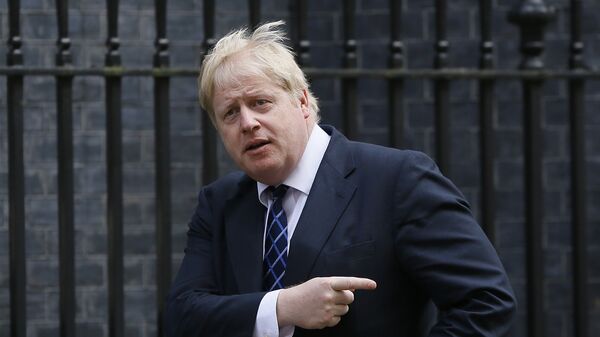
(353, 260)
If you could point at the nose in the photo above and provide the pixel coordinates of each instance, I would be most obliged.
(248, 121)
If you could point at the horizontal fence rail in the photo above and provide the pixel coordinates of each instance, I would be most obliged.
(530, 16)
(386, 73)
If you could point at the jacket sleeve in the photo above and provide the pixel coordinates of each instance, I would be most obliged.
(442, 247)
(196, 305)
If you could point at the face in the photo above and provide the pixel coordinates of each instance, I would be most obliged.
(263, 127)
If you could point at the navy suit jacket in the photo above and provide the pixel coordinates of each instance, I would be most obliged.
(375, 212)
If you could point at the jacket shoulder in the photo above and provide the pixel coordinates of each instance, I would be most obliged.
(227, 186)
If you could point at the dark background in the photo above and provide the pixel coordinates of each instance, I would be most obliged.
(88, 29)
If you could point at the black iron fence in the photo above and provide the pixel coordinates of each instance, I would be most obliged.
(531, 16)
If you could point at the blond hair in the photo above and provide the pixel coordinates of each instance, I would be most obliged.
(265, 55)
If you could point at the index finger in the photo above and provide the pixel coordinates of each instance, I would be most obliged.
(352, 283)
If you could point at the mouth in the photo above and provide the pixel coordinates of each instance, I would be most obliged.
(256, 144)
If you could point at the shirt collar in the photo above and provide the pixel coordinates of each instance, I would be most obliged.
(303, 176)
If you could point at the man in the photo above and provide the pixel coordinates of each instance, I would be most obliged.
(321, 236)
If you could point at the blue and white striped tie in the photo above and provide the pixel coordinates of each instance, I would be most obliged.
(276, 242)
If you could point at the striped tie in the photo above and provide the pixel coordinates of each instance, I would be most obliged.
(276, 242)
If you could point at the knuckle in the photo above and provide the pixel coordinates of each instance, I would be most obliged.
(334, 321)
(327, 297)
(350, 296)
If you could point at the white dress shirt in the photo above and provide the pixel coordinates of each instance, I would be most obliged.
(300, 182)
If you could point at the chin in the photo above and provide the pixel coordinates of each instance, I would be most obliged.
(265, 176)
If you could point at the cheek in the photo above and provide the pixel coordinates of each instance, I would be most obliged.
(229, 140)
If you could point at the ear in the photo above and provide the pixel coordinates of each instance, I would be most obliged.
(304, 103)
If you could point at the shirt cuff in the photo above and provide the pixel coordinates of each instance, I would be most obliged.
(266, 318)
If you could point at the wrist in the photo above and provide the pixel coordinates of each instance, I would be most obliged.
(282, 307)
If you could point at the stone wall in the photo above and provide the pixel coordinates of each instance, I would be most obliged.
(88, 28)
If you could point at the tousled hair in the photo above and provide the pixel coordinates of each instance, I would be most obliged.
(263, 54)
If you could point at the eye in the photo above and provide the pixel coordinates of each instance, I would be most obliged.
(230, 115)
(261, 103)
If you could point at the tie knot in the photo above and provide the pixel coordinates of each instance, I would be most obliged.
(279, 191)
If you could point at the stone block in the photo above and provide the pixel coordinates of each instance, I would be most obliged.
(593, 262)
(88, 89)
(558, 234)
(89, 149)
(413, 26)
(138, 179)
(374, 56)
(91, 329)
(94, 304)
(42, 212)
(5, 275)
(557, 271)
(35, 243)
(42, 273)
(463, 53)
(184, 25)
(39, 25)
(133, 276)
(90, 272)
(373, 5)
(592, 144)
(514, 263)
(46, 329)
(557, 174)
(510, 205)
(184, 90)
(85, 24)
(137, 118)
(593, 200)
(35, 4)
(378, 23)
(149, 272)
(419, 54)
(511, 146)
(4, 248)
(326, 54)
(464, 115)
(374, 117)
(186, 148)
(185, 180)
(510, 235)
(420, 115)
(34, 182)
(185, 54)
(139, 242)
(372, 90)
(140, 307)
(555, 325)
(90, 179)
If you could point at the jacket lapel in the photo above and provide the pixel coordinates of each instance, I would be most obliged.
(329, 196)
(244, 222)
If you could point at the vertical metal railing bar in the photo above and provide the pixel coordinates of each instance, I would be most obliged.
(578, 175)
(114, 180)
(302, 47)
(254, 13)
(16, 178)
(396, 94)
(532, 16)
(349, 104)
(486, 112)
(163, 165)
(441, 87)
(64, 100)
(210, 164)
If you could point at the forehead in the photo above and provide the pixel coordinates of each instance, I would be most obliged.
(245, 86)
